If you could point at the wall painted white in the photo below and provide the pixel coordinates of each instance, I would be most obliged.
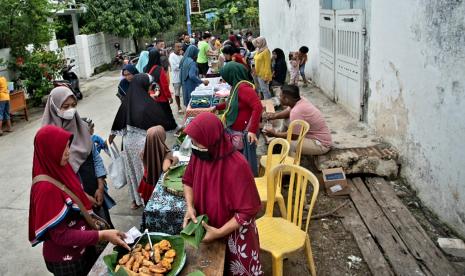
(290, 27)
(416, 86)
(417, 101)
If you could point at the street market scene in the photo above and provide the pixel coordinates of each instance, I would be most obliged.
(235, 137)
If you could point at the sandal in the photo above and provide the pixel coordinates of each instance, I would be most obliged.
(134, 206)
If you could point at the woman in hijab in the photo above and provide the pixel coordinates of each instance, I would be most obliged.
(218, 182)
(156, 70)
(60, 111)
(262, 70)
(143, 60)
(190, 73)
(157, 158)
(138, 112)
(243, 111)
(69, 242)
(128, 73)
(279, 67)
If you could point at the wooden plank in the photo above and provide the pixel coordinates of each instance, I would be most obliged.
(402, 262)
(370, 251)
(411, 232)
(209, 258)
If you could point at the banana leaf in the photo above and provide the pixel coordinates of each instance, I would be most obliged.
(196, 273)
(177, 244)
(194, 233)
(173, 178)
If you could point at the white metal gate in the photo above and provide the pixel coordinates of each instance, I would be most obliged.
(349, 59)
(327, 48)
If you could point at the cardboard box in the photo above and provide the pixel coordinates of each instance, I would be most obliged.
(335, 182)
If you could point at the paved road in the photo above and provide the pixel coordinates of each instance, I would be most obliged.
(16, 151)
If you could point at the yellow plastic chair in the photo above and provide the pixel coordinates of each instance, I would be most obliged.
(261, 182)
(281, 236)
(294, 156)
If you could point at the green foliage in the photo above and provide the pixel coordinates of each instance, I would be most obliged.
(130, 18)
(36, 70)
(24, 22)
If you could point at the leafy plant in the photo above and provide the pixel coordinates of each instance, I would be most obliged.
(130, 18)
(36, 70)
(25, 22)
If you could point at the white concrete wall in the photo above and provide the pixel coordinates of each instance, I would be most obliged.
(290, 27)
(417, 101)
(5, 56)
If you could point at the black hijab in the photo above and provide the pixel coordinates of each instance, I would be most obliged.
(154, 59)
(139, 110)
(124, 83)
(280, 66)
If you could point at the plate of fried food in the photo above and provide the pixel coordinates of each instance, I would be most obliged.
(164, 255)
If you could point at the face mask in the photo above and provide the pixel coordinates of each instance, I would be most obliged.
(202, 154)
(68, 114)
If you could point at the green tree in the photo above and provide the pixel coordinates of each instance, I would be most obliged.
(130, 18)
(24, 22)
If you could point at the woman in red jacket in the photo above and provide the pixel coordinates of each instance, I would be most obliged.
(163, 97)
(243, 112)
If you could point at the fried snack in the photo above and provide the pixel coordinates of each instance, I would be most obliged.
(129, 264)
(166, 263)
(124, 259)
(165, 245)
(147, 263)
(146, 254)
(170, 253)
(135, 267)
(118, 267)
(156, 255)
(158, 274)
(147, 247)
(170, 260)
(145, 274)
(144, 270)
(137, 249)
(158, 269)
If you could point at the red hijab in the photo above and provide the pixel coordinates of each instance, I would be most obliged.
(224, 187)
(48, 204)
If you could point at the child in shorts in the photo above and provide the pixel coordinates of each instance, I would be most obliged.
(303, 58)
(4, 106)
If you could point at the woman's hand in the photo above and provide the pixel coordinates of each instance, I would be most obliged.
(99, 196)
(252, 138)
(269, 116)
(92, 200)
(114, 236)
(191, 214)
(212, 233)
(111, 138)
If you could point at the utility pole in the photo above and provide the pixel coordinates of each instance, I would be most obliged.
(188, 15)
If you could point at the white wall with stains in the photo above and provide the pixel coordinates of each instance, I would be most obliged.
(417, 96)
(290, 24)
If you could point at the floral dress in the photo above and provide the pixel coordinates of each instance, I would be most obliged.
(243, 250)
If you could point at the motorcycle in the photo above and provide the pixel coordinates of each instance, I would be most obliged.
(69, 79)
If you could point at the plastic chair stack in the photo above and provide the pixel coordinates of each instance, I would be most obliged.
(281, 236)
(294, 156)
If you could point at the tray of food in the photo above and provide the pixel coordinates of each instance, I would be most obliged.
(172, 180)
(168, 257)
(201, 101)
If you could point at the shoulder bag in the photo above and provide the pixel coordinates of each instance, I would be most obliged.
(94, 221)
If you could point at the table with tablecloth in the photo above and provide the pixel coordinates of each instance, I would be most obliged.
(164, 212)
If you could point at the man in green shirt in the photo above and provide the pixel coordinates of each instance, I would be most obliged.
(204, 52)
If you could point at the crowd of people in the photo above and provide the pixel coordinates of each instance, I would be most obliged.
(219, 179)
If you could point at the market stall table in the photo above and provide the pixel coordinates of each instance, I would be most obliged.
(18, 103)
(209, 259)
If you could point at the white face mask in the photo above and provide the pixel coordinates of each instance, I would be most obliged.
(68, 114)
